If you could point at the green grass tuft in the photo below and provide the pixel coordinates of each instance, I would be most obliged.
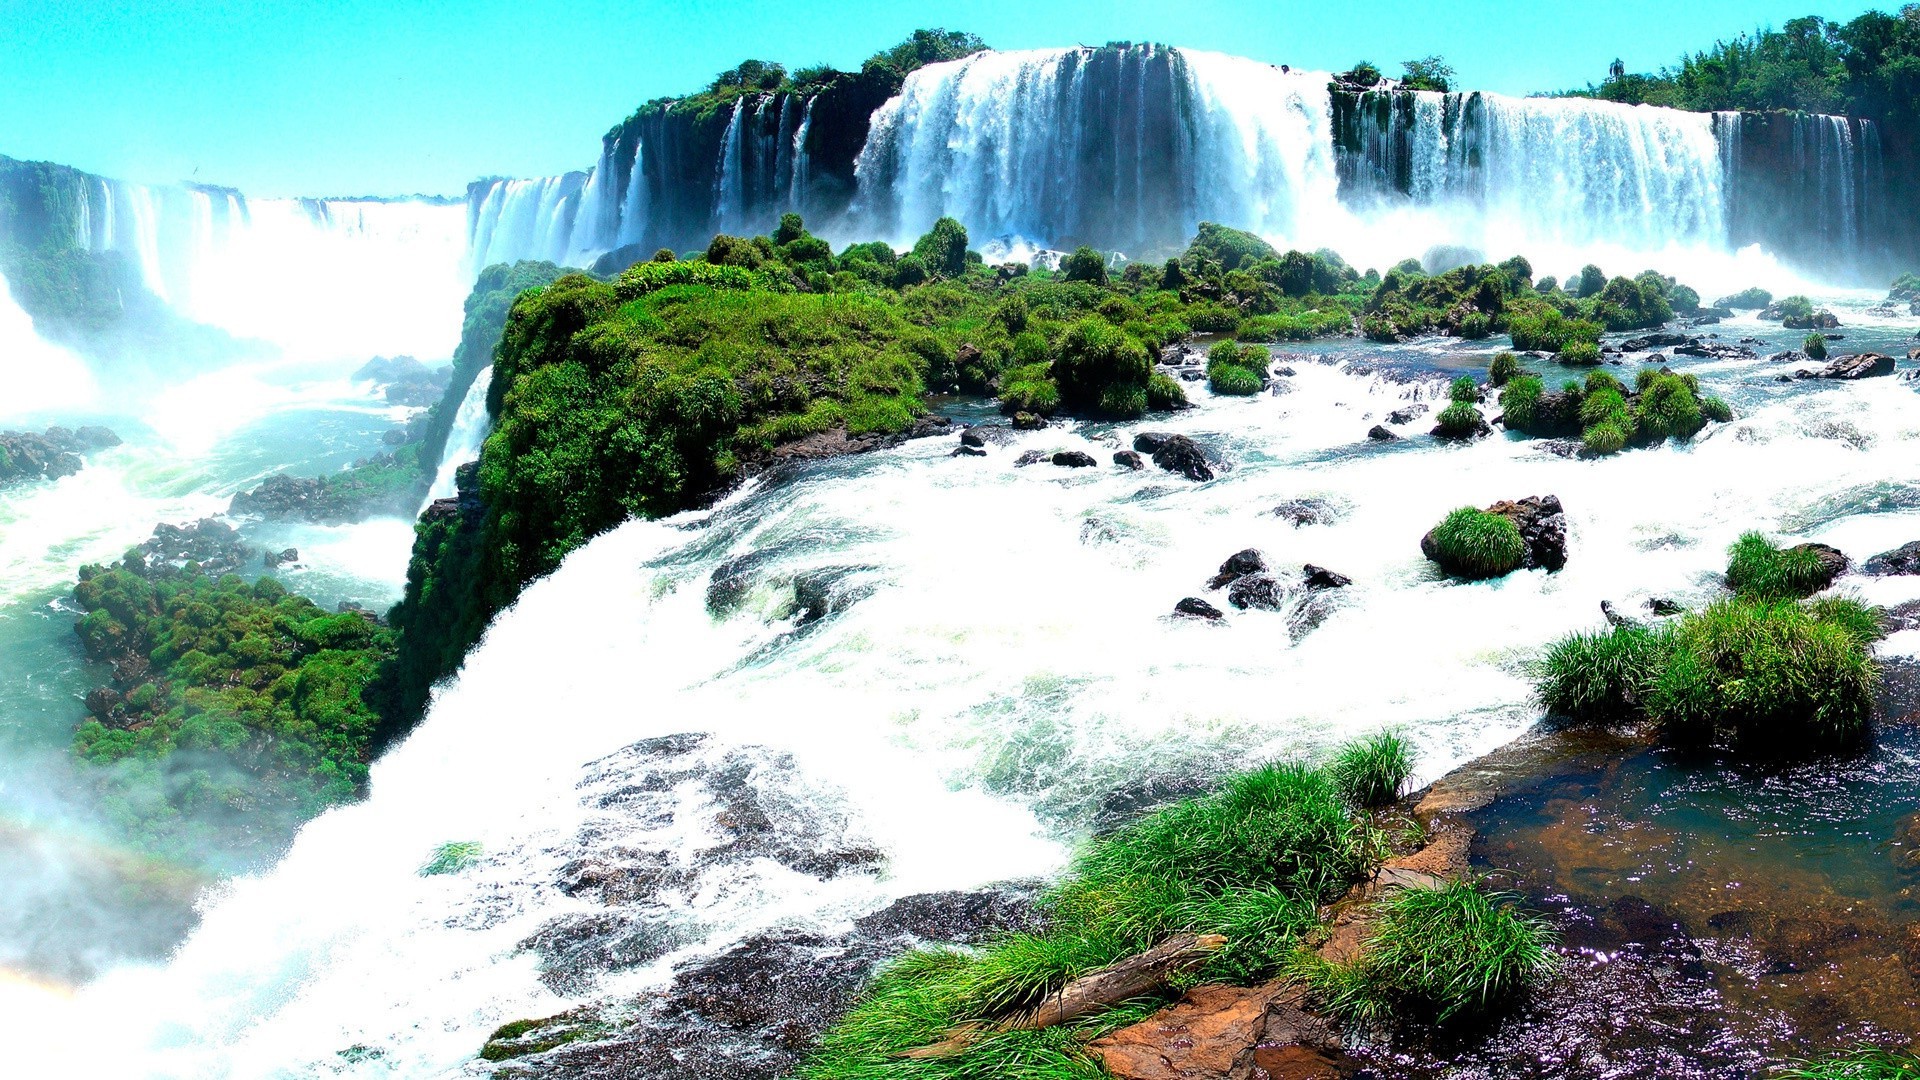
(1372, 770)
(1450, 954)
(1464, 389)
(1459, 419)
(1864, 1063)
(451, 858)
(1760, 570)
(1475, 545)
(1598, 677)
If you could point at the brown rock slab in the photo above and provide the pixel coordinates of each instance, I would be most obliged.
(1239, 1033)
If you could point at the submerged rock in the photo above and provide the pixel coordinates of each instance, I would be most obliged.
(1319, 577)
(1407, 415)
(1308, 511)
(1904, 559)
(1256, 591)
(1031, 457)
(1237, 566)
(1129, 459)
(1074, 459)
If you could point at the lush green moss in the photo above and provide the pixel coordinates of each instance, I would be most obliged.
(248, 716)
(1031, 389)
(1475, 544)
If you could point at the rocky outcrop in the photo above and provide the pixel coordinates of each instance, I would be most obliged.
(1301, 512)
(1129, 459)
(1175, 453)
(1856, 366)
(1195, 608)
(1543, 531)
(1074, 459)
(214, 547)
(1227, 1032)
(57, 452)
(838, 441)
(1380, 433)
(406, 381)
(1904, 559)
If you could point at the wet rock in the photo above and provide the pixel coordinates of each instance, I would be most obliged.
(1031, 457)
(287, 557)
(1175, 453)
(1904, 559)
(1379, 433)
(1074, 459)
(25, 455)
(1307, 512)
(1319, 577)
(1256, 591)
(1833, 562)
(967, 451)
(1543, 530)
(1480, 430)
(1714, 351)
(1023, 421)
(984, 435)
(1663, 607)
(104, 703)
(1819, 320)
(972, 438)
(1192, 375)
(1285, 372)
(1237, 566)
(1655, 341)
(1857, 366)
(1232, 1033)
(1614, 618)
(1407, 415)
(214, 547)
(1195, 608)
(839, 442)
(1129, 459)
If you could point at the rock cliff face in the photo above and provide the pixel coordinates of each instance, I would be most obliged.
(57, 452)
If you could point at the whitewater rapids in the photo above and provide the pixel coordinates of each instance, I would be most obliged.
(1001, 658)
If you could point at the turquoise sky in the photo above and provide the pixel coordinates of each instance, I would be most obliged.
(392, 97)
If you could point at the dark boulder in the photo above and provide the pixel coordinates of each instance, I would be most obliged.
(1237, 566)
(1407, 415)
(1319, 577)
(1028, 422)
(1819, 320)
(1479, 430)
(1379, 433)
(1074, 459)
(1031, 457)
(971, 438)
(1661, 606)
(968, 451)
(1256, 591)
(1833, 562)
(1195, 608)
(1904, 559)
(1857, 366)
(1129, 459)
(1543, 532)
(1175, 453)
(1654, 341)
(288, 557)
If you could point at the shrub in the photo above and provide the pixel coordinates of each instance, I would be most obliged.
(1606, 437)
(1085, 264)
(1753, 298)
(1792, 307)
(1757, 569)
(1236, 369)
(1667, 407)
(1232, 380)
(1164, 393)
(1371, 771)
(1521, 401)
(1598, 677)
(1476, 325)
(1815, 346)
(1030, 389)
(1475, 544)
(1454, 953)
(1503, 369)
(1102, 371)
(1463, 389)
(1581, 353)
(1458, 420)
(1716, 410)
(1591, 282)
(943, 250)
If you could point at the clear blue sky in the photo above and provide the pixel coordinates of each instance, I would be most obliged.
(398, 96)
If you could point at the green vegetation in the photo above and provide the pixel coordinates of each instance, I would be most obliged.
(1579, 354)
(1865, 1063)
(1608, 417)
(1865, 67)
(61, 284)
(1478, 301)
(1815, 346)
(1503, 370)
(1767, 676)
(1759, 570)
(1474, 544)
(1371, 771)
(247, 707)
(1746, 299)
(451, 858)
(1450, 954)
(1791, 309)
(1250, 862)
(1236, 369)
(1459, 420)
(1427, 73)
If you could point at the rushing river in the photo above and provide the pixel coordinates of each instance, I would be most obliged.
(948, 663)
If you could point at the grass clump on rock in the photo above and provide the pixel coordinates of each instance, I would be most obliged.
(1769, 676)
(1504, 368)
(1474, 544)
(1371, 771)
(1236, 369)
(1454, 953)
(1249, 862)
(1759, 569)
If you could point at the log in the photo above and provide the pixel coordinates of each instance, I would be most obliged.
(1135, 976)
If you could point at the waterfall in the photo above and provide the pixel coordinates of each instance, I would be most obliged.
(802, 175)
(727, 202)
(511, 220)
(464, 438)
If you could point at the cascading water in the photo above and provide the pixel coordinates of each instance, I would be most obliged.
(808, 628)
(468, 432)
